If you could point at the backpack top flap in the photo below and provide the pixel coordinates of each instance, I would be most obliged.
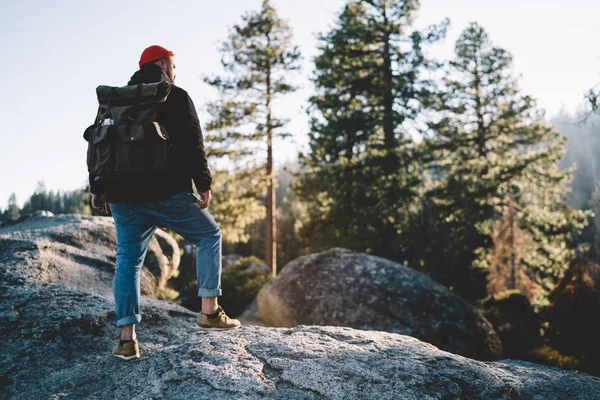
(126, 95)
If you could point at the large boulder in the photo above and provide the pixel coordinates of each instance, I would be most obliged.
(343, 288)
(251, 315)
(57, 340)
(161, 263)
(79, 252)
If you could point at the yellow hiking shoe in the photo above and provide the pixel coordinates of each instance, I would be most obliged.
(220, 323)
(127, 350)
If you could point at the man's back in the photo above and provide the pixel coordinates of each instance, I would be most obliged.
(187, 159)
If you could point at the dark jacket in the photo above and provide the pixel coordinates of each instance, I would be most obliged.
(188, 160)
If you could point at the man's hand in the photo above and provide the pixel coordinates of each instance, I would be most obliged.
(99, 203)
(206, 198)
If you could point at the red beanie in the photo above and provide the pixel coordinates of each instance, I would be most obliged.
(154, 53)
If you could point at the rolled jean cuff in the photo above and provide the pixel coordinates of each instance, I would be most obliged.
(209, 292)
(129, 320)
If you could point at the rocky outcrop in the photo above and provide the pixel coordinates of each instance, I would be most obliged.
(162, 261)
(56, 344)
(79, 252)
(57, 339)
(343, 288)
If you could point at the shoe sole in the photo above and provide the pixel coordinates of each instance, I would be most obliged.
(126, 357)
(205, 328)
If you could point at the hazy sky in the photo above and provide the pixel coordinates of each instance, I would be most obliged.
(57, 52)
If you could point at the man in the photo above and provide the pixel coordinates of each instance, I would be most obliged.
(140, 205)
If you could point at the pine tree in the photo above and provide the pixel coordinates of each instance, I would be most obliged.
(360, 174)
(38, 200)
(510, 256)
(492, 149)
(75, 202)
(257, 57)
(235, 208)
(12, 210)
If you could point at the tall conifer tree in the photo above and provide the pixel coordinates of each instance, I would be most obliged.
(360, 174)
(257, 57)
(493, 150)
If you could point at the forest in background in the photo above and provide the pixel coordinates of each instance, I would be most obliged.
(443, 165)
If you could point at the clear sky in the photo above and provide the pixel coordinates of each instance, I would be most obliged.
(57, 52)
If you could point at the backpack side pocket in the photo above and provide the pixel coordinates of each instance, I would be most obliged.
(100, 148)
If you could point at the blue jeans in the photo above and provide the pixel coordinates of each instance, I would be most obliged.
(135, 224)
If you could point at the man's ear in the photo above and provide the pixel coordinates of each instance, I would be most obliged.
(160, 63)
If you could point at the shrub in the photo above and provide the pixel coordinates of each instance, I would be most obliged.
(513, 317)
(575, 314)
(241, 283)
(548, 355)
(188, 296)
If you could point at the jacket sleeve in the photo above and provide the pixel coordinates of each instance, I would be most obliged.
(193, 146)
(95, 187)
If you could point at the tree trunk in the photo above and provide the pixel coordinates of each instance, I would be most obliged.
(511, 243)
(481, 128)
(388, 104)
(390, 161)
(271, 251)
(270, 237)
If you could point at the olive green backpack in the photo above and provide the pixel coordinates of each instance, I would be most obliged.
(126, 140)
